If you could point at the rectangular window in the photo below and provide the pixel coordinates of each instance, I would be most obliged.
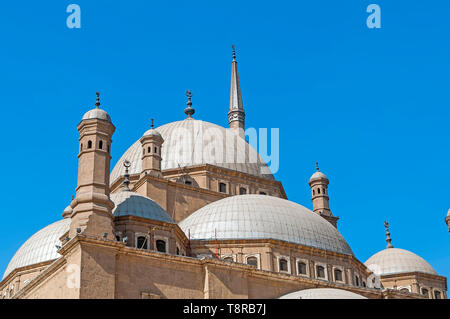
(222, 187)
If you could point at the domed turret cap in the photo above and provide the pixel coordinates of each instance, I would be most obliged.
(97, 113)
(318, 175)
(152, 131)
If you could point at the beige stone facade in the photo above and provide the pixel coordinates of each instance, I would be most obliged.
(135, 247)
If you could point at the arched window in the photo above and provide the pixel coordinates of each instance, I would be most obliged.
(437, 294)
(156, 150)
(320, 272)
(161, 246)
(318, 190)
(338, 275)
(149, 150)
(301, 268)
(141, 242)
(81, 147)
(252, 261)
(242, 191)
(229, 259)
(117, 237)
(364, 284)
(89, 144)
(356, 281)
(314, 192)
(178, 251)
(425, 292)
(222, 187)
(283, 264)
(100, 145)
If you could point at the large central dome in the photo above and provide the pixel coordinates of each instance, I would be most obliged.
(194, 142)
(263, 217)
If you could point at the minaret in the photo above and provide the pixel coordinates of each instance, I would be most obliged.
(151, 152)
(236, 114)
(388, 235)
(92, 206)
(319, 189)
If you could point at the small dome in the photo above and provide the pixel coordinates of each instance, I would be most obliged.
(322, 293)
(40, 247)
(396, 261)
(264, 217)
(67, 212)
(96, 114)
(318, 175)
(132, 204)
(152, 132)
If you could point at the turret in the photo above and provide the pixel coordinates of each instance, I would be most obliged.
(151, 144)
(319, 189)
(92, 206)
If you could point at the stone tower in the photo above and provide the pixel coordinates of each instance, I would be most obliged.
(236, 114)
(319, 189)
(151, 152)
(92, 206)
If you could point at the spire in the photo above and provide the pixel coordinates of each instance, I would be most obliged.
(388, 235)
(189, 111)
(152, 126)
(236, 114)
(97, 103)
(317, 166)
(126, 180)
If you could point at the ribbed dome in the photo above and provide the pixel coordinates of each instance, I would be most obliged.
(194, 142)
(96, 114)
(322, 293)
(40, 247)
(396, 260)
(261, 217)
(133, 204)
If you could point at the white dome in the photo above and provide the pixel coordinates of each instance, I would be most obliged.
(132, 204)
(40, 247)
(322, 293)
(262, 217)
(96, 114)
(194, 142)
(396, 260)
(318, 175)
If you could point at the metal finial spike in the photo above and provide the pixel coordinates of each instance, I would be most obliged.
(234, 52)
(189, 111)
(317, 166)
(97, 103)
(126, 179)
(152, 124)
(388, 235)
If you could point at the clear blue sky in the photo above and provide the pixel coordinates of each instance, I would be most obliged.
(371, 105)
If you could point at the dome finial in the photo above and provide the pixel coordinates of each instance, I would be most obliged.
(126, 180)
(317, 166)
(189, 111)
(234, 52)
(388, 235)
(152, 124)
(97, 103)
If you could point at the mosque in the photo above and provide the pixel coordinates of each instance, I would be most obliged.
(192, 211)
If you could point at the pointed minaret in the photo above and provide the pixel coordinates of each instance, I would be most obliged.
(236, 114)
(319, 189)
(388, 235)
